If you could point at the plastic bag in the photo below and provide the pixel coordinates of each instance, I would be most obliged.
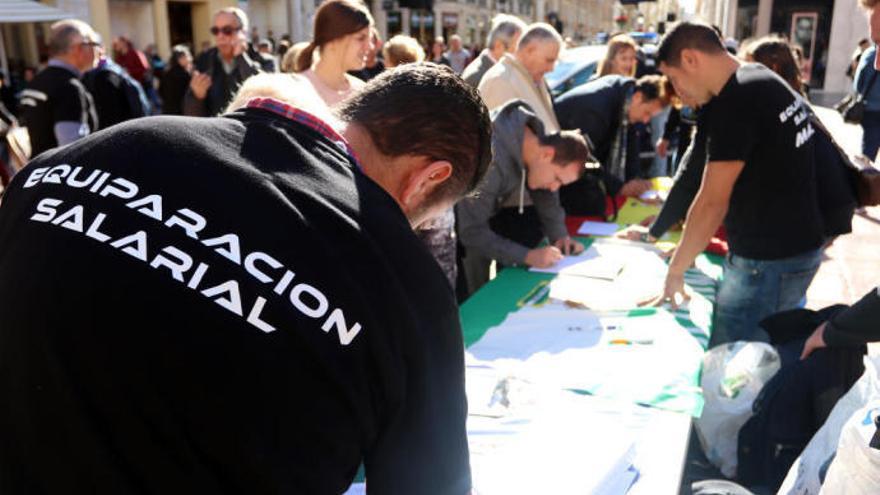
(806, 474)
(856, 466)
(733, 375)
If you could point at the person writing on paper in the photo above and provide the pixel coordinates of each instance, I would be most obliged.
(525, 158)
(759, 180)
(603, 110)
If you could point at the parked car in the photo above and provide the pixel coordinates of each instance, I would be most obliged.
(575, 67)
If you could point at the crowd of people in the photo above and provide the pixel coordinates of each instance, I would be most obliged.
(334, 199)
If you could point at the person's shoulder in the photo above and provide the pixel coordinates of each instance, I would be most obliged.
(355, 82)
(205, 59)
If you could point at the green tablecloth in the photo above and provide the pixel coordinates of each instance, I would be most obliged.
(515, 287)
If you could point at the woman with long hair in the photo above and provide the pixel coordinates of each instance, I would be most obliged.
(341, 43)
(620, 59)
(776, 53)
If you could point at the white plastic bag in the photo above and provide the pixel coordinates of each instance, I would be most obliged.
(804, 476)
(733, 375)
(856, 467)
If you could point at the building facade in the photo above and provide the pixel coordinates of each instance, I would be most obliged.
(826, 31)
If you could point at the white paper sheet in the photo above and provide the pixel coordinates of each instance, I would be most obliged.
(598, 228)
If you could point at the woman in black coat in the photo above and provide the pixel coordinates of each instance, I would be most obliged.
(175, 80)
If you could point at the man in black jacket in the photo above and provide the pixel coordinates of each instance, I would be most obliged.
(241, 306)
(603, 110)
(56, 107)
(221, 70)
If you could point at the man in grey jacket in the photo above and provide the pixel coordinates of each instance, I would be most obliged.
(524, 156)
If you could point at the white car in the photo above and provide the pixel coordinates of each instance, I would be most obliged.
(575, 67)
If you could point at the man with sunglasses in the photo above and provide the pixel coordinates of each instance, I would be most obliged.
(56, 107)
(220, 71)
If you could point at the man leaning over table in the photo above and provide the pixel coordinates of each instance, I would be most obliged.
(525, 158)
(216, 325)
(759, 180)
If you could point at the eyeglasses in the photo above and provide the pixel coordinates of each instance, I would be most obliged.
(226, 30)
(93, 44)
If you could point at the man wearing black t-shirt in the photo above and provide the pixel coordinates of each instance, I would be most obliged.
(759, 179)
(239, 304)
(56, 107)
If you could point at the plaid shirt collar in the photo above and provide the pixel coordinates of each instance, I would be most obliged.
(302, 117)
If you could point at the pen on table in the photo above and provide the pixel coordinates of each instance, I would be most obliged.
(630, 342)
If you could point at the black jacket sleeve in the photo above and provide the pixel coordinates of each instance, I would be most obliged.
(670, 131)
(857, 325)
(684, 190)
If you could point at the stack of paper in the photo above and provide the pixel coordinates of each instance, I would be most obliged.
(550, 443)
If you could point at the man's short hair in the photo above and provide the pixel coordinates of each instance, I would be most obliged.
(398, 109)
(239, 14)
(504, 29)
(539, 32)
(402, 49)
(688, 35)
(568, 146)
(63, 34)
(868, 4)
(654, 87)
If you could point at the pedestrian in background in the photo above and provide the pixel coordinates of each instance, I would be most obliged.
(521, 75)
(620, 59)
(220, 70)
(502, 38)
(458, 57)
(175, 80)
(438, 52)
(118, 96)
(56, 107)
(341, 42)
(866, 84)
(402, 49)
(375, 59)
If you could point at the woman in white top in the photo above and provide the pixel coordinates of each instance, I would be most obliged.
(340, 44)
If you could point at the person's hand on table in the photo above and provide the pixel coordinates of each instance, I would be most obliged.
(636, 233)
(816, 341)
(635, 188)
(543, 257)
(662, 147)
(673, 292)
(199, 84)
(568, 246)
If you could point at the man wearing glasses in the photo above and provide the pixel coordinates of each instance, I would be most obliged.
(219, 72)
(56, 107)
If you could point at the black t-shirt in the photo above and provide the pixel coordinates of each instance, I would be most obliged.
(758, 119)
(54, 95)
(222, 305)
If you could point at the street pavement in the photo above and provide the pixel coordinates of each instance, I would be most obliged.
(851, 265)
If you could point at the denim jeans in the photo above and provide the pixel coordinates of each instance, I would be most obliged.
(751, 290)
(870, 134)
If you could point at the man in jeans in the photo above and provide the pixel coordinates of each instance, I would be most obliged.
(759, 179)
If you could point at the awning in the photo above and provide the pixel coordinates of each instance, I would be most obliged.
(29, 11)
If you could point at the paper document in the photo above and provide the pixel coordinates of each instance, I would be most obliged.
(545, 446)
(589, 263)
(598, 228)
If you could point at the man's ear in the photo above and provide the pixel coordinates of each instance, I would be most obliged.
(689, 59)
(546, 153)
(423, 181)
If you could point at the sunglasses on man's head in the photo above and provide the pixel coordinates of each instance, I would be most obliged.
(226, 30)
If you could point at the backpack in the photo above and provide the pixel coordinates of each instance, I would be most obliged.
(835, 182)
